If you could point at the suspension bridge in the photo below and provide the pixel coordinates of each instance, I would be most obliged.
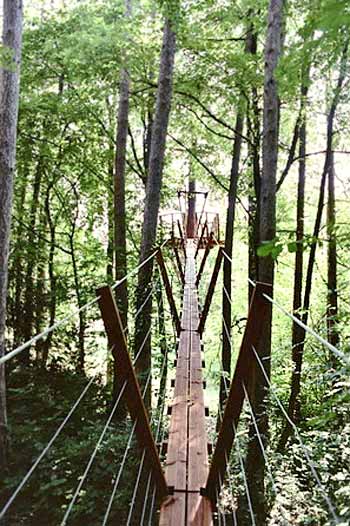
(184, 475)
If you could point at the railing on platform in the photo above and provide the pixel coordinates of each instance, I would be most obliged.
(173, 225)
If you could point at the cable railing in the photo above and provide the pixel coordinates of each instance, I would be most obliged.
(60, 428)
(296, 320)
(242, 391)
(42, 335)
(123, 462)
(304, 448)
(145, 500)
(115, 350)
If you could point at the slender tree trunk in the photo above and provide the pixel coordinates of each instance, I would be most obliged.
(255, 463)
(120, 254)
(110, 205)
(191, 218)
(147, 138)
(332, 297)
(253, 125)
(18, 266)
(162, 341)
(119, 190)
(52, 279)
(226, 294)
(299, 259)
(32, 259)
(82, 315)
(152, 200)
(40, 289)
(9, 94)
(298, 349)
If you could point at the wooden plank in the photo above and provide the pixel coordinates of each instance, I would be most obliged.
(173, 510)
(244, 374)
(168, 291)
(199, 507)
(210, 292)
(187, 459)
(116, 339)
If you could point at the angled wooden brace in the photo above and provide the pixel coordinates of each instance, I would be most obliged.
(169, 291)
(116, 339)
(210, 292)
(179, 265)
(243, 375)
(180, 232)
(202, 265)
(205, 226)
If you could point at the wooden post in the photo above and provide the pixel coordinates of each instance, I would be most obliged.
(210, 292)
(116, 339)
(169, 291)
(179, 265)
(243, 375)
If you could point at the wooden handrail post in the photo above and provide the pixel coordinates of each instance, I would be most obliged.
(134, 401)
(210, 292)
(243, 375)
(169, 291)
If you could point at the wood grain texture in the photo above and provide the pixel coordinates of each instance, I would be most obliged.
(187, 458)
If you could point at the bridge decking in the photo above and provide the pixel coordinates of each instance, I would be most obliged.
(187, 457)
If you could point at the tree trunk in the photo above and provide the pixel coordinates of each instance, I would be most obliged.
(332, 297)
(152, 200)
(9, 94)
(226, 294)
(162, 342)
(253, 125)
(18, 265)
(32, 257)
(110, 205)
(119, 190)
(80, 365)
(52, 279)
(40, 289)
(255, 463)
(120, 255)
(298, 350)
(191, 218)
(298, 269)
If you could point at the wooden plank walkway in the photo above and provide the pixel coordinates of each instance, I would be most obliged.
(187, 457)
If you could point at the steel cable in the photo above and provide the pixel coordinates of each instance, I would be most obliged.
(48, 330)
(123, 462)
(44, 451)
(304, 448)
(306, 328)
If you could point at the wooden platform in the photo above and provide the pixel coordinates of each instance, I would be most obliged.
(187, 457)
